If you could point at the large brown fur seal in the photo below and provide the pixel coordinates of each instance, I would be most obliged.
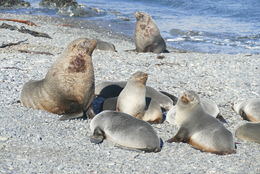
(68, 87)
(199, 129)
(147, 35)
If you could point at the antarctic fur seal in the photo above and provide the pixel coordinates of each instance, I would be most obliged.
(209, 106)
(153, 112)
(106, 46)
(248, 109)
(131, 99)
(109, 89)
(68, 87)
(124, 130)
(249, 132)
(147, 35)
(199, 129)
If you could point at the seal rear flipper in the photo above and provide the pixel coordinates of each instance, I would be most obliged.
(181, 136)
(98, 136)
(221, 118)
(80, 115)
(131, 50)
(90, 113)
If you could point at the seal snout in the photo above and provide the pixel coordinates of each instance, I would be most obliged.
(139, 15)
(144, 77)
(185, 99)
(88, 45)
(140, 76)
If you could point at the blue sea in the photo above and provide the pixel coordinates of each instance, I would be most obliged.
(209, 26)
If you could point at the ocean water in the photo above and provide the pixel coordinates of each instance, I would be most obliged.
(210, 26)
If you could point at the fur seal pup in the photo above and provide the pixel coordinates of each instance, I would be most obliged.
(106, 46)
(124, 130)
(249, 132)
(152, 114)
(109, 89)
(131, 99)
(199, 129)
(147, 35)
(248, 109)
(209, 106)
(68, 87)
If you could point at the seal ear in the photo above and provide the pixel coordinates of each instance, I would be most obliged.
(98, 136)
(181, 136)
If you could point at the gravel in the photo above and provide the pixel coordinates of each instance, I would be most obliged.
(34, 141)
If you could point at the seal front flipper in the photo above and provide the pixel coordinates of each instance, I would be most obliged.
(98, 136)
(181, 136)
(82, 115)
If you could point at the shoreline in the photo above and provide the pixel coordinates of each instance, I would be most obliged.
(35, 141)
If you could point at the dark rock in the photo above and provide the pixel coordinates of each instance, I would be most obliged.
(59, 3)
(14, 3)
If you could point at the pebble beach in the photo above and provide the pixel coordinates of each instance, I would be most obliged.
(34, 141)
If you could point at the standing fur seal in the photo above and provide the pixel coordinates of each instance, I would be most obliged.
(131, 100)
(124, 130)
(249, 132)
(109, 89)
(199, 129)
(147, 35)
(68, 87)
(248, 109)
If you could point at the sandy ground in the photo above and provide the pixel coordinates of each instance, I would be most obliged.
(33, 141)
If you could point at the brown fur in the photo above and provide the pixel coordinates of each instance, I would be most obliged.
(69, 84)
(156, 121)
(198, 146)
(251, 118)
(147, 35)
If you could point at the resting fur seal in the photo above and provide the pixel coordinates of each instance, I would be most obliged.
(124, 130)
(209, 106)
(249, 132)
(152, 114)
(248, 109)
(199, 129)
(106, 46)
(68, 87)
(109, 89)
(147, 35)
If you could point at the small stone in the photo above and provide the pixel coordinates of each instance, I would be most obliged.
(160, 57)
(3, 139)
